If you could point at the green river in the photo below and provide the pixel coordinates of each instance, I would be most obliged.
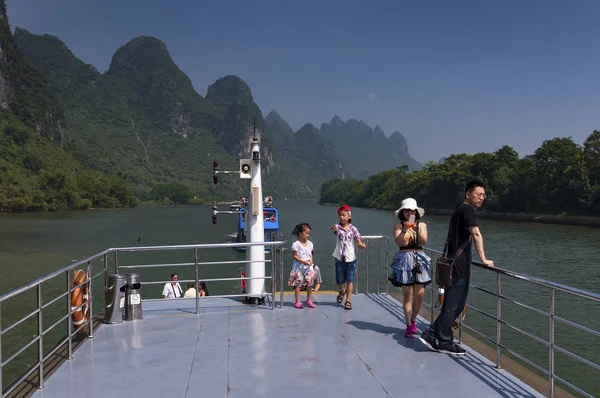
(32, 245)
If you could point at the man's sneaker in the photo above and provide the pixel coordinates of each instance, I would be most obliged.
(429, 342)
(454, 350)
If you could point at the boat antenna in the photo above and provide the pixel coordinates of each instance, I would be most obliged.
(255, 129)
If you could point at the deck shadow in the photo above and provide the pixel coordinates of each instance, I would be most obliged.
(397, 334)
(500, 381)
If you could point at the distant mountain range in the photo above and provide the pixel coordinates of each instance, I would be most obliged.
(143, 119)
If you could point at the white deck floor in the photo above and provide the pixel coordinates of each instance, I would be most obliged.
(239, 350)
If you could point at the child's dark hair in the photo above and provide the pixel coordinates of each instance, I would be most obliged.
(299, 228)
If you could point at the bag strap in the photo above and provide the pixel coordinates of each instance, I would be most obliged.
(462, 248)
(445, 251)
(417, 239)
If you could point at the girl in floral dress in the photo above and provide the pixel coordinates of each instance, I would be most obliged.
(303, 272)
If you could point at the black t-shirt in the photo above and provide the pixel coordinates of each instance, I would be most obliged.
(458, 233)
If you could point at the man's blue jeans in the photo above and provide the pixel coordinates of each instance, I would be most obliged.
(455, 299)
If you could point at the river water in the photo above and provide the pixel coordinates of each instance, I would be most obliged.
(32, 245)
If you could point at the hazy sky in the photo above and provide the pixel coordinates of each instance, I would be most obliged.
(451, 76)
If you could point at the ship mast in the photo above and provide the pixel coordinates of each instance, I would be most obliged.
(255, 255)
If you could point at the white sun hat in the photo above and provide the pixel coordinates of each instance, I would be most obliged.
(411, 204)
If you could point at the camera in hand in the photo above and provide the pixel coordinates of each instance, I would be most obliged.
(417, 269)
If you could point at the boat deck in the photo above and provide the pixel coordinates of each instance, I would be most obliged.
(239, 350)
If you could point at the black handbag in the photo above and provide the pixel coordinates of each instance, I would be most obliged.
(445, 264)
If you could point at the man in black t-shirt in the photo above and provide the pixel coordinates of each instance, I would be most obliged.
(463, 227)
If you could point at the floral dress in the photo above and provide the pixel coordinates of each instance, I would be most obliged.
(302, 274)
(411, 267)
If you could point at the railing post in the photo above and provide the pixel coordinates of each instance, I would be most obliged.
(387, 269)
(116, 262)
(460, 328)
(378, 263)
(1, 364)
(197, 281)
(105, 265)
(273, 259)
(90, 301)
(356, 276)
(498, 320)
(69, 318)
(41, 339)
(431, 309)
(551, 348)
(281, 278)
(367, 271)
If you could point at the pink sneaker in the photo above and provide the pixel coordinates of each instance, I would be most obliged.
(408, 333)
(413, 328)
(310, 304)
(298, 305)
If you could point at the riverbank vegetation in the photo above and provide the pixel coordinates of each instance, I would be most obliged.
(560, 177)
(38, 175)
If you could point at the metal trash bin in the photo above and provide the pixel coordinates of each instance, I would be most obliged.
(133, 308)
(114, 298)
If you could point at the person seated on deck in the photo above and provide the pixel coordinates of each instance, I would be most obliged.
(202, 289)
(191, 292)
(172, 289)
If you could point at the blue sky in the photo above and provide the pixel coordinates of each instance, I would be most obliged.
(451, 76)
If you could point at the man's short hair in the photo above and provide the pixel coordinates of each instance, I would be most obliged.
(471, 185)
(174, 274)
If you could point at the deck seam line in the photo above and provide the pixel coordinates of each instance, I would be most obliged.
(357, 354)
(187, 386)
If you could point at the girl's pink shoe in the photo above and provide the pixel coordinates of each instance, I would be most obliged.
(413, 328)
(298, 305)
(408, 333)
(310, 304)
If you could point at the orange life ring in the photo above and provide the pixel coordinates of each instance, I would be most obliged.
(461, 316)
(79, 296)
(243, 282)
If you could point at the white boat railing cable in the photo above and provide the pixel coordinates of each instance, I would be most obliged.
(500, 321)
(276, 261)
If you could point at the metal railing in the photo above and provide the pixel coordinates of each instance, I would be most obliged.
(276, 262)
(87, 326)
(496, 340)
(41, 305)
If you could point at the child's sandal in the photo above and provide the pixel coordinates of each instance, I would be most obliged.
(340, 298)
(348, 305)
